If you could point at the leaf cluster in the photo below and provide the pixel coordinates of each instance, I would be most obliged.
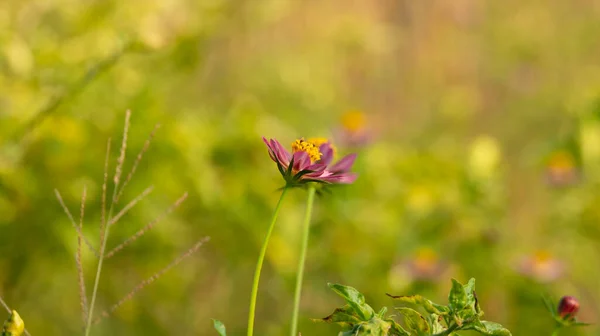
(427, 319)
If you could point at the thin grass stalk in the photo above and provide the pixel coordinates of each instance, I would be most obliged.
(147, 228)
(138, 159)
(151, 279)
(104, 187)
(131, 205)
(105, 230)
(5, 305)
(81, 279)
(121, 159)
(71, 92)
(77, 229)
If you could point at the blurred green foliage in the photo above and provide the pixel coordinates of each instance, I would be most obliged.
(484, 162)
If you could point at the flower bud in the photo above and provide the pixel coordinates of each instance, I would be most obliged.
(14, 326)
(568, 307)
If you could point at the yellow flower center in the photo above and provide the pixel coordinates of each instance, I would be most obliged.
(353, 121)
(319, 141)
(542, 256)
(310, 148)
(425, 260)
(561, 162)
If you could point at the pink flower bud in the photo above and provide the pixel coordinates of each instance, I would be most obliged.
(568, 307)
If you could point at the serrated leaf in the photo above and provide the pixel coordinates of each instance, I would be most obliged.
(343, 316)
(457, 297)
(219, 327)
(429, 306)
(355, 299)
(414, 321)
(492, 329)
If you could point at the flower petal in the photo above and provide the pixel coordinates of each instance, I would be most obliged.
(344, 164)
(327, 153)
(317, 167)
(343, 178)
(283, 156)
(316, 170)
(271, 151)
(301, 161)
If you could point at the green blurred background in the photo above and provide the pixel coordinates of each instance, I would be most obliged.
(484, 159)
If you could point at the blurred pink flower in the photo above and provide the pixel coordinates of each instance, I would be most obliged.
(425, 264)
(353, 130)
(311, 161)
(541, 266)
(561, 169)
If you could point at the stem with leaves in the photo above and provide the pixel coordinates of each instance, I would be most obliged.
(301, 262)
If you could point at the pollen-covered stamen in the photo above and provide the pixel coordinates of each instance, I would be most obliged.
(321, 141)
(310, 148)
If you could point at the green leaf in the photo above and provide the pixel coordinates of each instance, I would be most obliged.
(344, 316)
(415, 321)
(429, 306)
(354, 299)
(396, 329)
(492, 329)
(549, 306)
(435, 321)
(457, 297)
(470, 286)
(219, 327)
(369, 328)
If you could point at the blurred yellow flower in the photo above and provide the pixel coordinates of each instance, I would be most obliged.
(484, 156)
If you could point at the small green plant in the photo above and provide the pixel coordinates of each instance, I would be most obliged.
(564, 313)
(14, 325)
(462, 313)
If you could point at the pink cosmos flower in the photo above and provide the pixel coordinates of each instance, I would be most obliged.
(311, 161)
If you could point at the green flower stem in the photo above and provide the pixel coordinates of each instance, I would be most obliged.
(259, 264)
(555, 332)
(305, 234)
